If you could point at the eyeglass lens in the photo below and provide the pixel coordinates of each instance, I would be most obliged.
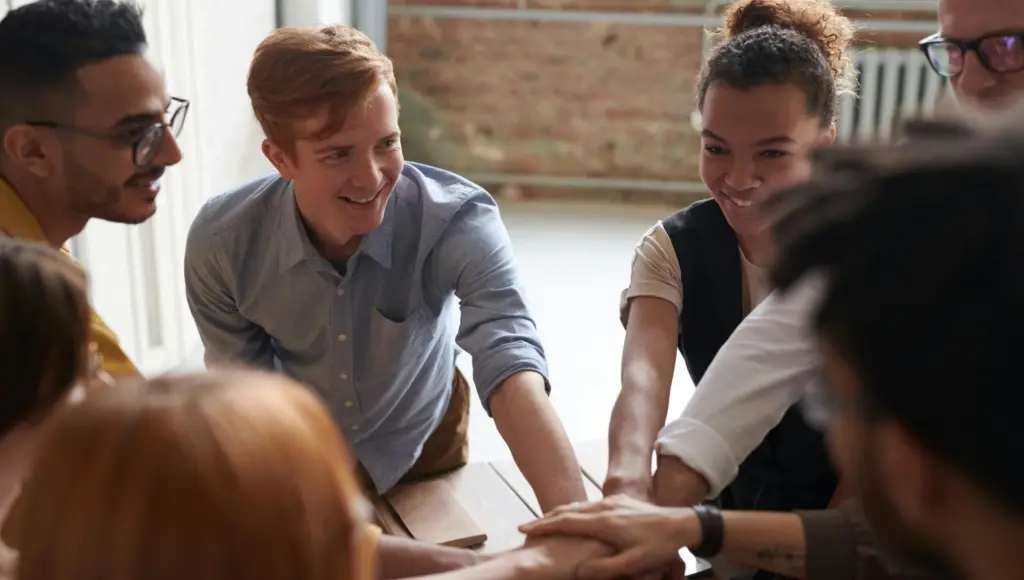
(1000, 54)
(149, 145)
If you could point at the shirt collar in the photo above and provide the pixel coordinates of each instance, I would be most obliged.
(15, 219)
(296, 245)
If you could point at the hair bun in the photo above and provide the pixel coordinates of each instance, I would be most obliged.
(818, 20)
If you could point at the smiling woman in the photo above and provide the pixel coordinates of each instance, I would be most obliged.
(768, 94)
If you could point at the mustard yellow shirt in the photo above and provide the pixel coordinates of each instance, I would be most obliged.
(16, 221)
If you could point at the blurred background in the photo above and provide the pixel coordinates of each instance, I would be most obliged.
(577, 114)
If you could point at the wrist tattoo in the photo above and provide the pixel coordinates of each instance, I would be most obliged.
(782, 553)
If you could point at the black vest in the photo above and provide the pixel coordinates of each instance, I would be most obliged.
(790, 469)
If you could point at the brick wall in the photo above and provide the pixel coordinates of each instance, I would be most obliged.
(581, 99)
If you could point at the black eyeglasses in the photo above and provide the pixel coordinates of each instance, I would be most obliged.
(146, 143)
(999, 53)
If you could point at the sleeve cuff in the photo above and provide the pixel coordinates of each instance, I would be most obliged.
(493, 368)
(830, 544)
(701, 449)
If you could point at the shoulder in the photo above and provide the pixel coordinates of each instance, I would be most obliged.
(693, 215)
(445, 199)
(442, 193)
(238, 212)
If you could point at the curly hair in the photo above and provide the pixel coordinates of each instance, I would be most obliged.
(766, 42)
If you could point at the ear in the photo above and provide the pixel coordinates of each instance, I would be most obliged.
(828, 137)
(279, 159)
(31, 148)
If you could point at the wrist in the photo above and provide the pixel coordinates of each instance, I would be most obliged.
(686, 531)
(712, 531)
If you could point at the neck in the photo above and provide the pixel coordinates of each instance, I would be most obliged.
(58, 222)
(12, 471)
(334, 249)
(992, 546)
(757, 248)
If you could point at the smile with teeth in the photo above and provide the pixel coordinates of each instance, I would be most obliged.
(739, 202)
(365, 201)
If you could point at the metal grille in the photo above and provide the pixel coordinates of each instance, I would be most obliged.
(894, 84)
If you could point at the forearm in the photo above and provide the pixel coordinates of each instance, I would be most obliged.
(507, 567)
(403, 558)
(638, 415)
(535, 436)
(766, 540)
(677, 484)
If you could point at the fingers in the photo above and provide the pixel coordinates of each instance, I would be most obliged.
(575, 507)
(622, 564)
(568, 524)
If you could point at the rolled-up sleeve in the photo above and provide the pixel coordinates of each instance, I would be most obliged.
(475, 256)
(228, 337)
(759, 373)
(654, 273)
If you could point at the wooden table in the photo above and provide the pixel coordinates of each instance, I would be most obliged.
(499, 499)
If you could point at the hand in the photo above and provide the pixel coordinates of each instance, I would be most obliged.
(556, 557)
(647, 536)
(641, 488)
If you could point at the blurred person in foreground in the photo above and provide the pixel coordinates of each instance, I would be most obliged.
(919, 256)
(45, 357)
(224, 475)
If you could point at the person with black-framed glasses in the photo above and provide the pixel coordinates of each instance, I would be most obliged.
(980, 49)
(88, 127)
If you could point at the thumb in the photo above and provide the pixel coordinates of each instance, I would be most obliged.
(621, 564)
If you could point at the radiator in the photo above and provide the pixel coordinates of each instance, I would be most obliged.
(894, 84)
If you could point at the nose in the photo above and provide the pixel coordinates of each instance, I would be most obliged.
(974, 79)
(169, 153)
(366, 175)
(742, 175)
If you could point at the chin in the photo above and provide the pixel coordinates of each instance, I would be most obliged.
(134, 215)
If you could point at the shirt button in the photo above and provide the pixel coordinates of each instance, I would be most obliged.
(355, 427)
(343, 376)
(341, 291)
(342, 337)
(349, 404)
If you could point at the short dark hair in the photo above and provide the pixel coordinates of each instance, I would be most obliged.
(775, 42)
(46, 42)
(44, 330)
(922, 249)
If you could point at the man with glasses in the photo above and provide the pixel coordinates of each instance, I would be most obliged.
(980, 49)
(88, 127)
(770, 363)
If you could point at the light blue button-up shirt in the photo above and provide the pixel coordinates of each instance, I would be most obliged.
(378, 344)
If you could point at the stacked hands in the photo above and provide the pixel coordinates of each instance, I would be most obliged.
(616, 537)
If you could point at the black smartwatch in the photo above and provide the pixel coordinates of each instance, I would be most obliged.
(712, 527)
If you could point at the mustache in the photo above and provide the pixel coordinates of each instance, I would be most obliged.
(150, 175)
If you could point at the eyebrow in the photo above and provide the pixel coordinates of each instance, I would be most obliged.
(778, 140)
(326, 148)
(146, 118)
